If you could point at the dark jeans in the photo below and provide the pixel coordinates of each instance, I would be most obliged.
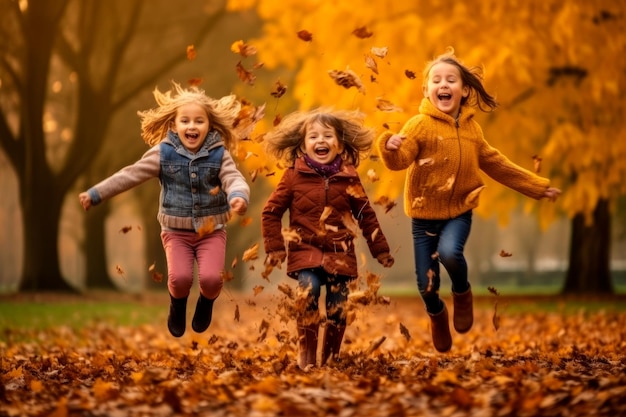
(336, 293)
(442, 241)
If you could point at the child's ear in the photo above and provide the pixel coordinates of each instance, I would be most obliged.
(466, 91)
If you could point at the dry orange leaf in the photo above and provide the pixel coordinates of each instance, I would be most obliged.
(279, 89)
(505, 254)
(258, 289)
(207, 227)
(386, 105)
(356, 191)
(380, 52)
(370, 63)
(244, 75)
(386, 202)
(243, 49)
(191, 52)
(371, 174)
(126, 229)
(305, 35)
(251, 253)
(362, 32)
(409, 74)
(347, 79)
(537, 163)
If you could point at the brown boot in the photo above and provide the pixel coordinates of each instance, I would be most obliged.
(307, 344)
(463, 316)
(441, 330)
(333, 336)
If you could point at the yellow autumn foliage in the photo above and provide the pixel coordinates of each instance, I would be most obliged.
(557, 69)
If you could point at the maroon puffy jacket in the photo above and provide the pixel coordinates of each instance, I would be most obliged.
(328, 242)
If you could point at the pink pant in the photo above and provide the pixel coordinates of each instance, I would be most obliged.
(182, 249)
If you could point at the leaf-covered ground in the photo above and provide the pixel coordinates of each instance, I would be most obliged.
(562, 362)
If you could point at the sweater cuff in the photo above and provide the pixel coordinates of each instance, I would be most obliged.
(95, 196)
(238, 194)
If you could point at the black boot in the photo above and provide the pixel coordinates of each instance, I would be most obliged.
(202, 316)
(177, 320)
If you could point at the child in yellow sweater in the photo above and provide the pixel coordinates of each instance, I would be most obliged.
(444, 149)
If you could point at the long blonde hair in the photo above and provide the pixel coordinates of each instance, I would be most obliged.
(284, 142)
(157, 121)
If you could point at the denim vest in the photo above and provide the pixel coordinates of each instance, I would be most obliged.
(189, 181)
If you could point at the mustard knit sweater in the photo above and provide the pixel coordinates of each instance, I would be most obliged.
(444, 158)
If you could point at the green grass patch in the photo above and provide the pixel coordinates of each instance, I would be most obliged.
(41, 315)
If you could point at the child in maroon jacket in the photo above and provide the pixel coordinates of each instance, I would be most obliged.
(326, 201)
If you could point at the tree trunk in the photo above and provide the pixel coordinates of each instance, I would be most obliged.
(41, 268)
(589, 259)
(97, 275)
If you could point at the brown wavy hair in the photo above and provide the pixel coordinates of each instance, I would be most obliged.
(284, 142)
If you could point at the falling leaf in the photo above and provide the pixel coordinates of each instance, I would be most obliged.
(258, 289)
(291, 235)
(409, 74)
(537, 163)
(362, 32)
(191, 52)
(505, 254)
(356, 191)
(251, 253)
(247, 119)
(120, 271)
(195, 81)
(245, 221)
(375, 345)
(496, 318)
(405, 332)
(237, 312)
(126, 229)
(347, 79)
(279, 89)
(156, 275)
(493, 290)
(244, 75)
(386, 105)
(207, 227)
(371, 64)
(418, 202)
(305, 35)
(371, 174)
(380, 52)
(243, 49)
(227, 276)
(448, 185)
(386, 202)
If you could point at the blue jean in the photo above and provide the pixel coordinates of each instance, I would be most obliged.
(336, 293)
(436, 241)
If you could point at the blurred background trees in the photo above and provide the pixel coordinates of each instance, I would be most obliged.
(557, 69)
(74, 73)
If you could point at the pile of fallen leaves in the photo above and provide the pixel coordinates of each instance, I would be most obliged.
(539, 363)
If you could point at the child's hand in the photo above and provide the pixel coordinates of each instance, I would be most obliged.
(394, 142)
(85, 200)
(276, 258)
(385, 259)
(238, 205)
(552, 193)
